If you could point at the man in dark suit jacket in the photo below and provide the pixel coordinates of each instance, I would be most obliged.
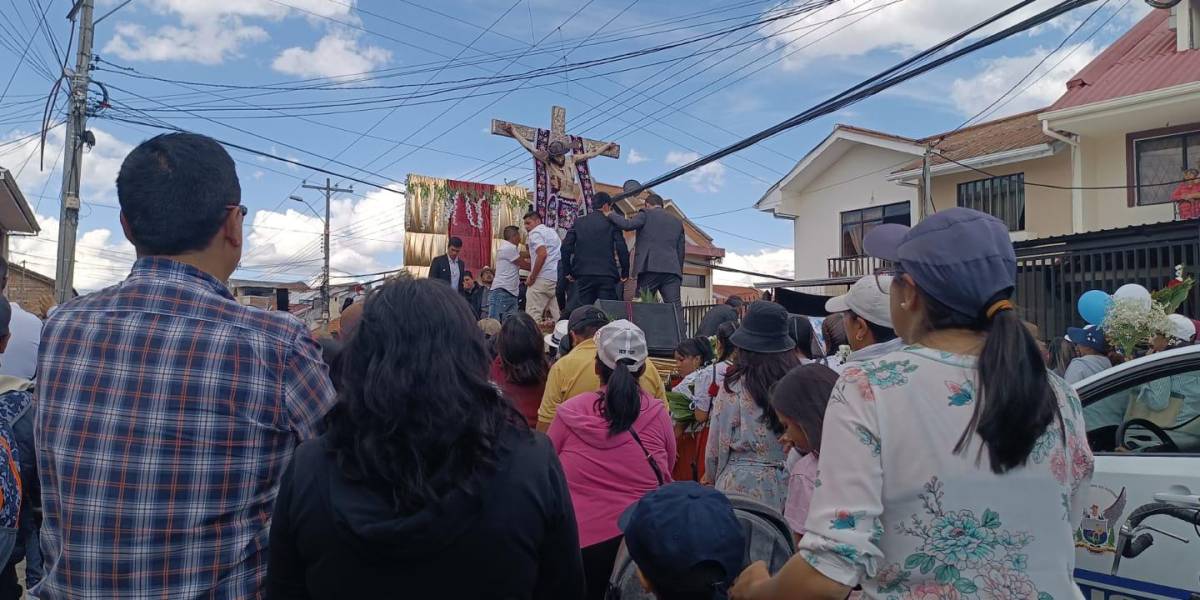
(594, 256)
(449, 267)
(659, 250)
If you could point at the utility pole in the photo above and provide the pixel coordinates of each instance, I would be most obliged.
(926, 184)
(68, 222)
(329, 190)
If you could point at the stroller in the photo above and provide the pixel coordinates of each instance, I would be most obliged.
(768, 538)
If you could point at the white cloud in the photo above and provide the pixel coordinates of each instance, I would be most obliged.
(635, 157)
(708, 179)
(102, 257)
(336, 54)
(903, 27)
(207, 42)
(100, 164)
(995, 76)
(209, 31)
(363, 231)
(779, 262)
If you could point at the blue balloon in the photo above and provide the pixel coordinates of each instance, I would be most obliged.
(1093, 306)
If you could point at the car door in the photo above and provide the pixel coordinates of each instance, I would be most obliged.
(1135, 465)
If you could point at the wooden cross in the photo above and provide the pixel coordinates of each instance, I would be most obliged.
(558, 132)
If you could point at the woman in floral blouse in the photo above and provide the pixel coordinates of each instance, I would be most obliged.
(952, 468)
(744, 455)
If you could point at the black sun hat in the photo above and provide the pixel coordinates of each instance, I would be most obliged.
(764, 329)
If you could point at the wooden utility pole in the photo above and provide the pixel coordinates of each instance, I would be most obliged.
(68, 222)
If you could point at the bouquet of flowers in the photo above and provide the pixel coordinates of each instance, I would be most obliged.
(1130, 324)
(1176, 293)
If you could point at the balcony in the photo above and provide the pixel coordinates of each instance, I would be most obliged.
(854, 266)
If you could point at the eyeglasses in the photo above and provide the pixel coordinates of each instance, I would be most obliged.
(888, 271)
(242, 209)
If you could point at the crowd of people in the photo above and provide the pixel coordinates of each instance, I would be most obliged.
(177, 444)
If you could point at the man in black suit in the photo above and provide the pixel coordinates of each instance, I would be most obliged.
(449, 267)
(473, 292)
(594, 256)
(659, 249)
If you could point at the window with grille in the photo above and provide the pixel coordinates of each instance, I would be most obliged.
(694, 281)
(1002, 197)
(1163, 160)
(857, 223)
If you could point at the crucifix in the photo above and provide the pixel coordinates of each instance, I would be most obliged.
(561, 156)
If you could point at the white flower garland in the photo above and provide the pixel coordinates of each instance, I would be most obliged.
(475, 212)
(448, 206)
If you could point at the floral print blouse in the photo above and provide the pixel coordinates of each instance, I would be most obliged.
(743, 456)
(897, 511)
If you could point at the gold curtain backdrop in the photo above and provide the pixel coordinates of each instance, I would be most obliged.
(425, 223)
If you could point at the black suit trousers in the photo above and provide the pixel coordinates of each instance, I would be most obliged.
(666, 284)
(590, 288)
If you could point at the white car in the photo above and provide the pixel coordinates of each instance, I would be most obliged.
(1140, 536)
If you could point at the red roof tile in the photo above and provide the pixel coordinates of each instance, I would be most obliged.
(1010, 133)
(1142, 60)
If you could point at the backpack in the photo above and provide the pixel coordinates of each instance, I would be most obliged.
(13, 405)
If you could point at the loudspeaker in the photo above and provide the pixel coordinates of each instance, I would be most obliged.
(281, 300)
(662, 323)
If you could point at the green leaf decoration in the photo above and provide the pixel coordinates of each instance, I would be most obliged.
(966, 586)
(991, 519)
(929, 564)
(1044, 596)
(946, 574)
(915, 560)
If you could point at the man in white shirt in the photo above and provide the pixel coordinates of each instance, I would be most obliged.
(20, 358)
(542, 281)
(506, 285)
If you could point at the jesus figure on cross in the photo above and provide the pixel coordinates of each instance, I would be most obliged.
(560, 163)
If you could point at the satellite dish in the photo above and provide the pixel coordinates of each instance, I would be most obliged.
(1162, 3)
(630, 186)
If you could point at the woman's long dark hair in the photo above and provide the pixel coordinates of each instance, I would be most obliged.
(803, 395)
(758, 372)
(417, 415)
(621, 400)
(697, 346)
(724, 334)
(522, 351)
(1015, 403)
(801, 331)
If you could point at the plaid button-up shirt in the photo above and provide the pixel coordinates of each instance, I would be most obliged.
(166, 414)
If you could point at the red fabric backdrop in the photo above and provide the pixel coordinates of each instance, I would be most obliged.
(472, 223)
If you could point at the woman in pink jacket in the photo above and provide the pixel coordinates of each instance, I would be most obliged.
(615, 444)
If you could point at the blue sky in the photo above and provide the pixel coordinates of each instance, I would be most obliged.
(160, 58)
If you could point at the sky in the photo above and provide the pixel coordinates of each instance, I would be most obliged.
(375, 90)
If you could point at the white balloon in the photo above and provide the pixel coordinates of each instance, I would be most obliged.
(1136, 292)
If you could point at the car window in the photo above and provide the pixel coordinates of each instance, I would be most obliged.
(1159, 415)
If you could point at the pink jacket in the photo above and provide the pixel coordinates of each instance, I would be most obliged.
(606, 474)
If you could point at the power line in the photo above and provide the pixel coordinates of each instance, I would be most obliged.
(878, 83)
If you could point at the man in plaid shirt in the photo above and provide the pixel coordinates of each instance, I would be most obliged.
(167, 411)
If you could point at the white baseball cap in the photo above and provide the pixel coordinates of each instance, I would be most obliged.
(1182, 328)
(867, 300)
(621, 340)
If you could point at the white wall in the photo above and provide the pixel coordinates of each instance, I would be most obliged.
(844, 186)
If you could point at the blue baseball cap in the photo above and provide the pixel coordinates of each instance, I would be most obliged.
(961, 257)
(1090, 336)
(685, 539)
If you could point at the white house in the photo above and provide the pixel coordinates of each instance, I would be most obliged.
(838, 192)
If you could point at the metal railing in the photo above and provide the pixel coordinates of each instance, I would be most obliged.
(854, 266)
(692, 316)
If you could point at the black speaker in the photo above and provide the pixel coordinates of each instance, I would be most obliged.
(281, 300)
(662, 323)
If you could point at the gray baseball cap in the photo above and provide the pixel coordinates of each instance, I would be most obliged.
(621, 340)
(961, 257)
(867, 300)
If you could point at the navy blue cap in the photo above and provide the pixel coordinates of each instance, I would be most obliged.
(961, 257)
(1090, 336)
(685, 539)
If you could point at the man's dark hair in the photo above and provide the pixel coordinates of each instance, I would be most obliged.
(456, 242)
(468, 274)
(510, 231)
(735, 301)
(655, 200)
(600, 199)
(175, 191)
(5, 315)
(532, 215)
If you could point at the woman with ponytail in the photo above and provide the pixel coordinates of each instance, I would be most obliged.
(983, 450)
(615, 445)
